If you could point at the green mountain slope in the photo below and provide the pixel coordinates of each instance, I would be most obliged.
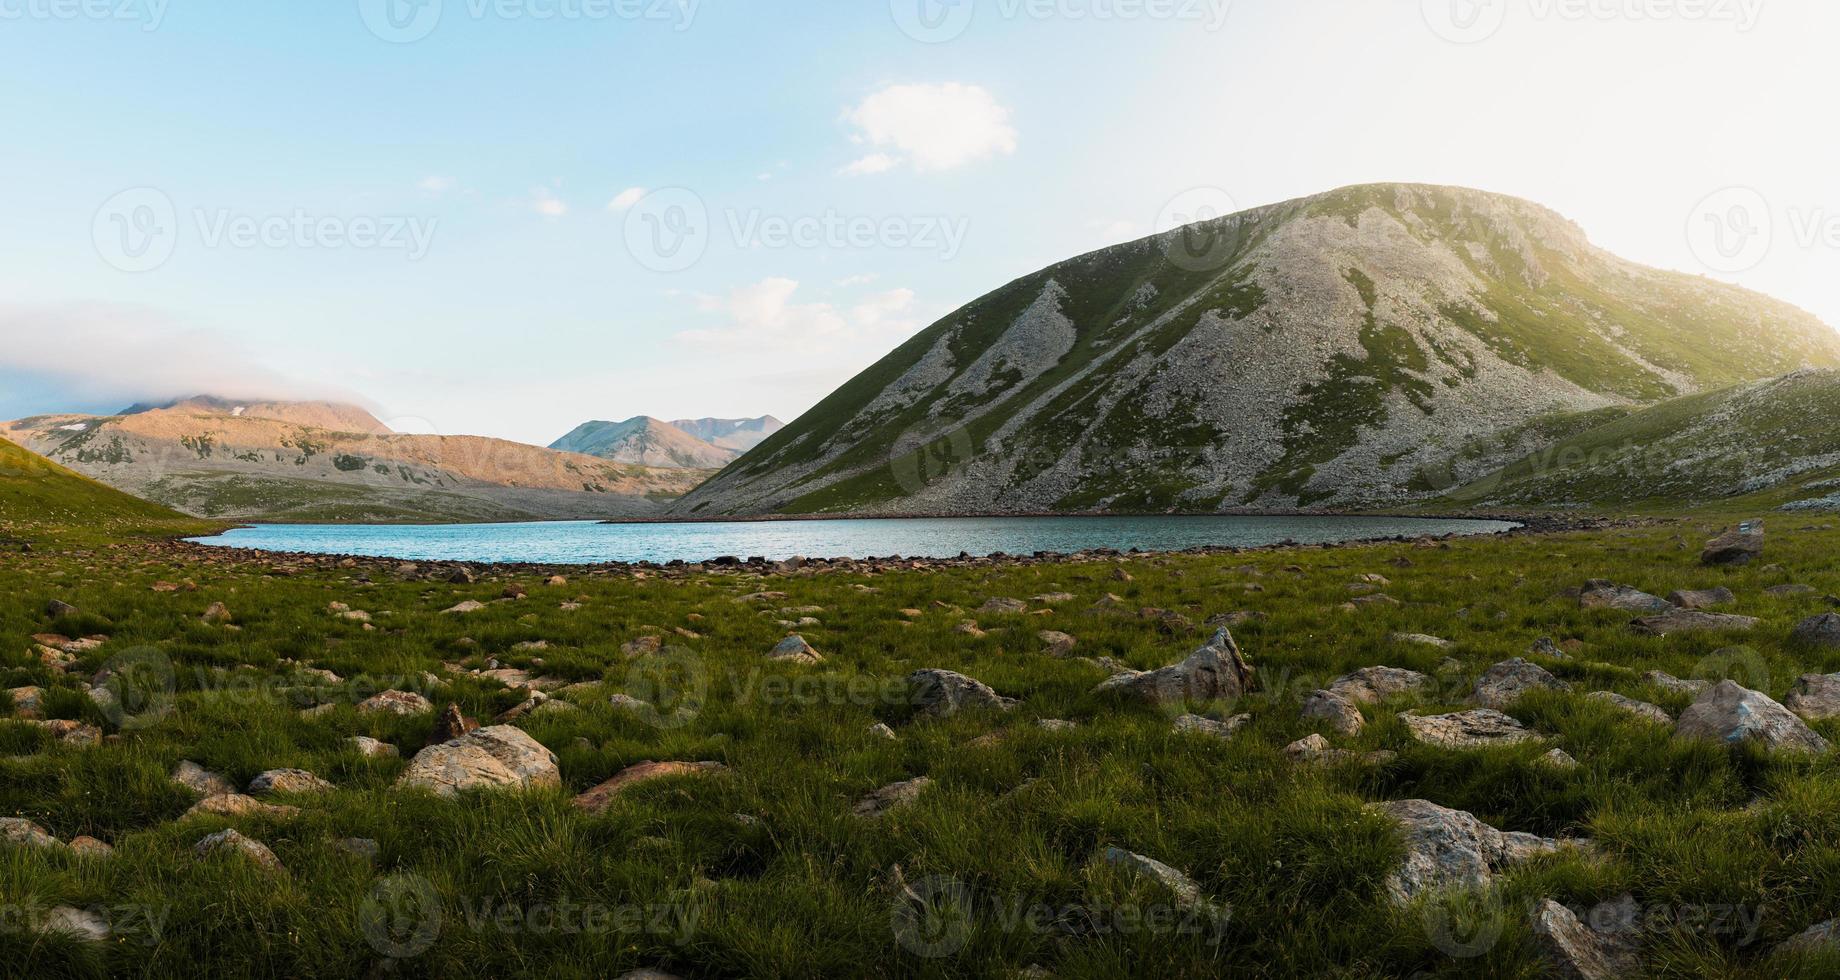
(37, 494)
(1372, 345)
(1772, 442)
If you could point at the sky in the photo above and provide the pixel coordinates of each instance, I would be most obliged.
(506, 217)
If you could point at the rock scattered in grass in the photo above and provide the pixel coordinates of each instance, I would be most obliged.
(1330, 708)
(1576, 950)
(287, 781)
(1702, 598)
(236, 805)
(1372, 685)
(400, 703)
(1688, 621)
(598, 799)
(1217, 671)
(879, 730)
(1640, 709)
(1601, 594)
(1668, 682)
(1420, 639)
(1059, 644)
(370, 748)
(1482, 728)
(794, 650)
(891, 797)
(200, 780)
(234, 843)
(1729, 713)
(1507, 682)
(1187, 892)
(500, 757)
(1559, 759)
(1451, 850)
(943, 693)
(82, 925)
(1821, 632)
(1740, 545)
(20, 832)
(1198, 725)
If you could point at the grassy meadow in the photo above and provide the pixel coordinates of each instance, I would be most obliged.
(762, 868)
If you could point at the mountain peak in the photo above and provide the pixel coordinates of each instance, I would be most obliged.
(332, 416)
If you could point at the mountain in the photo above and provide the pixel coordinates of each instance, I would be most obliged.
(1353, 348)
(644, 441)
(318, 415)
(37, 493)
(739, 435)
(1771, 441)
(203, 457)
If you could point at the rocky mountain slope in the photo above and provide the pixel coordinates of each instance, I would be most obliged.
(1774, 440)
(318, 415)
(209, 461)
(644, 441)
(1348, 349)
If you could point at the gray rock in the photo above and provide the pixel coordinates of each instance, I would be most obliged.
(1821, 631)
(21, 832)
(1578, 952)
(1559, 759)
(1316, 750)
(1599, 594)
(1450, 849)
(500, 757)
(1506, 682)
(1816, 938)
(362, 847)
(1339, 713)
(1372, 685)
(793, 649)
(1187, 892)
(998, 606)
(1702, 598)
(1197, 725)
(84, 925)
(879, 730)
(1668, 682)
(201, 781)
(1217, 671)
(400, 703)
(1420, 639)
(1738, 546)
(1729, 713)
(1786, 591)
(1477, 729)
(370, 748)
(232, 842)
(892, 797)
(292, 781)
(1641, 709)
(943, 693)
(1059, 644)
(1688, 621)
(1545, 647)
(1815, 697)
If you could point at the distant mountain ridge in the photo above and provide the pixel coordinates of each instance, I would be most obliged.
(646, 441)
(272, 460)
(1370, 346)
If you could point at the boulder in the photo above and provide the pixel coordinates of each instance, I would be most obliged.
(1729, 713)
(1420, 639)
(370, 748)
(1217, 671)
(794, 650)
(891, 797)
(1740, 545)
(69, 732)
(1482, 728)
(943, 693)
(21, 832)
(1339, 713)
(1599, 594)
(1821, 631)
(1815, 697)
(90, 847)
(1668, 682)
(1316, 750)
(1000, 606)
(217, 614)
(1559, 759)
(83, 925)
(236, 805)
(290, 781)
(231, 842)
(598, 799)
(1059, 644)
(469, 606)
(1688, 621)
(395, 703)
(1197, 725)
(1824, 937)
(1187, 892)
(1641, 709)
(1506, 682)
(1451, 850)
(1575, 950)
(500, 757)
(28, 702)
(1372, 685)
(1702, 598)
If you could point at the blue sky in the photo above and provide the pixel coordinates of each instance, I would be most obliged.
(523, 149)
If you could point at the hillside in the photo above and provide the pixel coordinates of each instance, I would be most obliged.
(221, 465)
(318, 415)
(739, 435)
(1773, 441)
(1349, 349)
(644, 441)
(37, 494)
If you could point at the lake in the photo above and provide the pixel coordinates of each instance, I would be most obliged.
(586, 542)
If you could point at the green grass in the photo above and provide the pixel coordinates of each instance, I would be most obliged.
(803, 889)
(40, 498)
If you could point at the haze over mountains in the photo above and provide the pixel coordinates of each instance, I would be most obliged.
(1374, 345)
(691, 443)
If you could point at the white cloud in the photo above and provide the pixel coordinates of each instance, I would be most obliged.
(437, 184)
(1119, 230)
(765, 315)
(547, 204)
(626, 199)
(931, 127)
(99, 355)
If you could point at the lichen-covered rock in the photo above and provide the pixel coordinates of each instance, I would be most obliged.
(1507, 682)
(1822, 632)
(1481, 728)
(1729, 713)
(1372, 685)
(1578, 952)
(794, 650)
(395, 703)
(21, 832)
(1702, 598)
(1197, 725)
(1641, 709)
(1600, 594)
(1740, 545)
(289, 781)
(232, 842)
(1689, 621)
(236, 805)
(892, 797)
(1217, 671)
(500, 757)
(1449, 849)
(1330, 708)
(943, 693)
